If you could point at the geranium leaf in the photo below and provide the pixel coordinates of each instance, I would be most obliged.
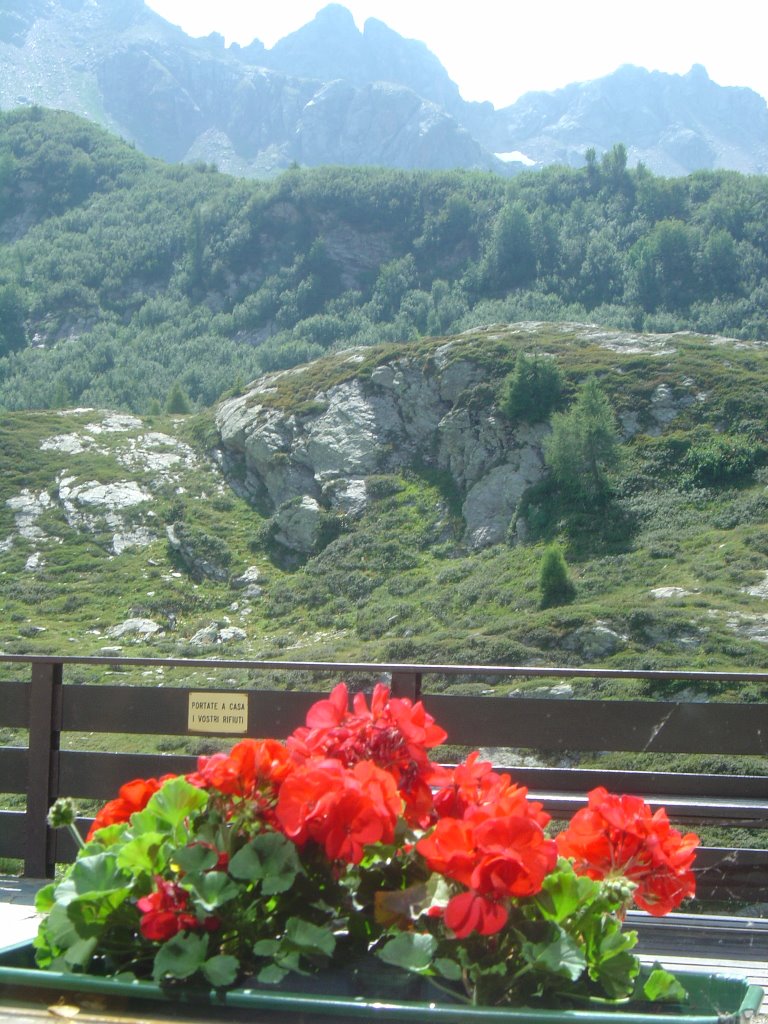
(180, 956)
(617, 974)
(411, 950)
(142, 854)
(564, 892)
(221, 970)
(93, 910)
(561, 956)
(79, 953)
(448, 968)
(271, 975)
(60, 928)
(195, 858)
(97, 874)
(268, 858)
(45, 898)
(106, 837)
(266, 947)
(176, 800)
(613, 966)
(213, 889)
(308, 937)
(661, 986)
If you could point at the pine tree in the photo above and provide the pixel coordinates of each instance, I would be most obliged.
(583, 447)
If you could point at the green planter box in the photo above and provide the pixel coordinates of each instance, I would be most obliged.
(714, 999)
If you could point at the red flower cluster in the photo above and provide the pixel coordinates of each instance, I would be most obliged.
(345, 781)
(492, 841)
(166, 911)
(394, 734)
(253, 771)
(342, 808)
(619, 837)
(133, 796)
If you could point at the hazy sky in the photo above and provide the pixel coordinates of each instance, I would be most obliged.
(498, 49)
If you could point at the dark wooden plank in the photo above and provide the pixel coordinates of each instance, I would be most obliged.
(406, 684)
(13, 834)
(737, 938)
(14, 704)
(652, 726)
(656, 784)
(42, 770)
(682, 810)
(660, 727)
(13, 769)
(723, 873)
(140, 709)
(96, 775)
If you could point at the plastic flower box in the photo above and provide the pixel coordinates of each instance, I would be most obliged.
(713, 999)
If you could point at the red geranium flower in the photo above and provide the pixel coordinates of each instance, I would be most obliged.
(343, 809)
(393, 733)
(474, 790)
(495, 858)
(619, 837)
(166, 911)
(469, 912)
(249, 766)
(133, 796)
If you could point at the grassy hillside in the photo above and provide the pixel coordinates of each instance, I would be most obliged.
(669, 571)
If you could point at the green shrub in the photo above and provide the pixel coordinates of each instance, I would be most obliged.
(723, 459)
(555, 584)
(532, 390)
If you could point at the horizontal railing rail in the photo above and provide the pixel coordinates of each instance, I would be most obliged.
(50, 709)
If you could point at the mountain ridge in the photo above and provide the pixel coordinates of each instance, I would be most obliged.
(255, 111)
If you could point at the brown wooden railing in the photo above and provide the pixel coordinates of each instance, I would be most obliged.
(49, 707)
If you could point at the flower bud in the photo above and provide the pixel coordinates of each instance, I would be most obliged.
(62, 813)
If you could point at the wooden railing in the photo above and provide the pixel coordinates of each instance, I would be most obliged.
(50, 708)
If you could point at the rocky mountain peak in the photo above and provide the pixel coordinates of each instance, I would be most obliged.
(195, 99)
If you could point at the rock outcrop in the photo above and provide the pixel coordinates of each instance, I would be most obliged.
(406, 412)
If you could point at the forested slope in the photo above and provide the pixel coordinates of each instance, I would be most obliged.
(121, 277)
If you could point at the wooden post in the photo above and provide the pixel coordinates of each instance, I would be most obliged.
(406, 684)
(42, 778)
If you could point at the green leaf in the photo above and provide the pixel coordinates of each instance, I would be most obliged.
(268, 858)
(448, 968)
(266, 947)
(144, 855)
(180, 956)
(93, 910)
(169, 807)
(662, 986)
(79, 953)
(617, 975)
(97, 874)
(563, 893)
(561, 956)
(60, 928)
(271, 975)
(45, 898)
(221, 970)
(213, 889)
(613, 966)
(308, 937)
(195, 858)
(412, 951)
(106, 837)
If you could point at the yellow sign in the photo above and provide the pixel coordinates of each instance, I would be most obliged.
(218, 712)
